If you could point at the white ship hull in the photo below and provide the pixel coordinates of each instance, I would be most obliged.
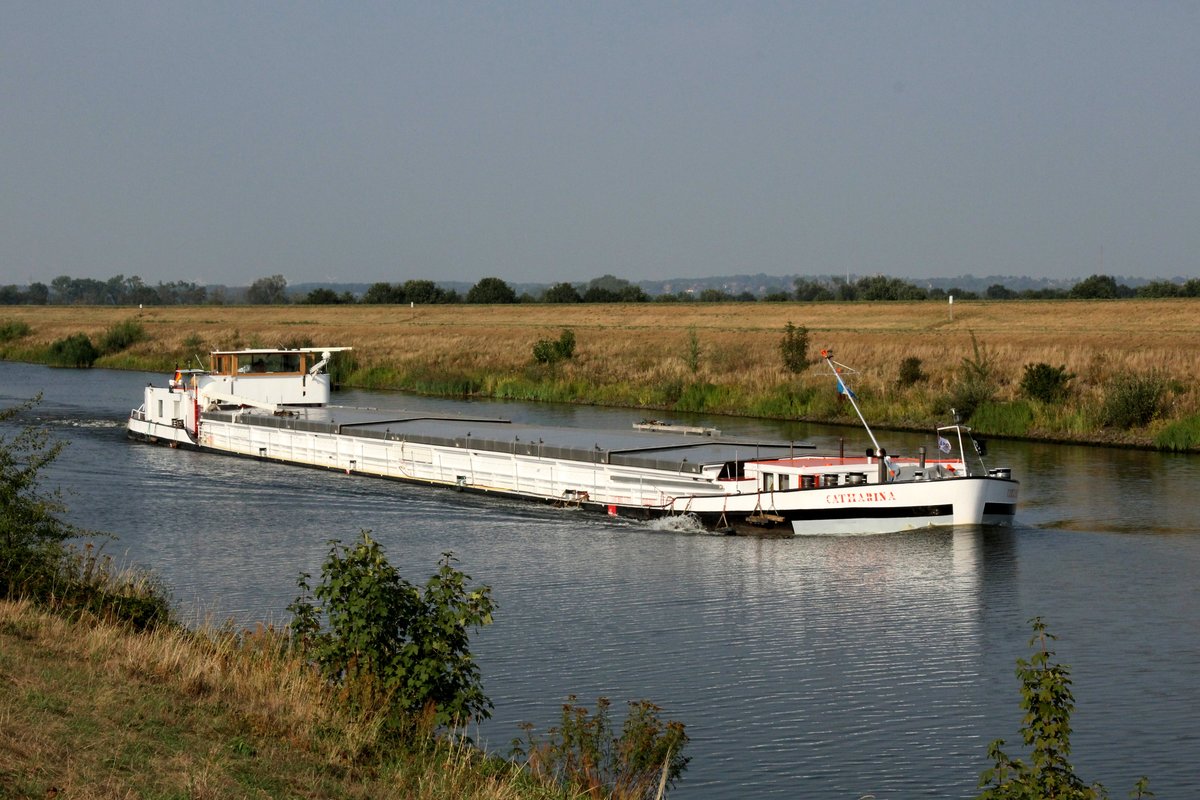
(731, 493)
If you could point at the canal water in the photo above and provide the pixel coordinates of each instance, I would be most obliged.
(807, 667)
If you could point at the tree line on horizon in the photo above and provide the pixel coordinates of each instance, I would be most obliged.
(120, 290)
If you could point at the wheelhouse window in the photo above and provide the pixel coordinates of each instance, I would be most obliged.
(285, 363)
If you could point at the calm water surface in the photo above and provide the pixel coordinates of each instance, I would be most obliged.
(817, 667)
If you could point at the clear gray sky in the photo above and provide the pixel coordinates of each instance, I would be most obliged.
(219, 142)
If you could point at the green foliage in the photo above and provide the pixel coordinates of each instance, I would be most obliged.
(88, 581)
(121, 336)
(392, 648)
(910, 372)
(324, 296)
(584, 753)
(73, 351)
(1099, 287)
(1046, 383)
(268, 291)
(692, 357)
(550, 351)
(562, 293)
(1132, 400)
(976, 383)
(793, 348)
(341, 365)
(1181, 435)
(13, 329)
(491, 290)
(1046, 729)
(32, 531)
(1003, 419)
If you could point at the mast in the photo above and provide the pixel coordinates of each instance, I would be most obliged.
(828, 356)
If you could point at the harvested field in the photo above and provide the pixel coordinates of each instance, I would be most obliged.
(639, 354)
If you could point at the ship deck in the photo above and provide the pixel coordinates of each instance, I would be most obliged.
(653, 450)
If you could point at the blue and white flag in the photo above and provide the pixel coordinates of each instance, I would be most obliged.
(943, 444)
(843, 389)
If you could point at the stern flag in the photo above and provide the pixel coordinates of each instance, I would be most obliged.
(843, 389)
(943, 444)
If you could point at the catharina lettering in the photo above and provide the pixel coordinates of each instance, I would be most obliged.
(842, 498)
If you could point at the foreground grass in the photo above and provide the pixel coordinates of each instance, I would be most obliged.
(91, 710)
(712, 358)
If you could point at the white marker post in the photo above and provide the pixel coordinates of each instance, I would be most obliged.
(952, 308)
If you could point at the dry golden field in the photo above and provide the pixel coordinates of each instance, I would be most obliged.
(626, 353)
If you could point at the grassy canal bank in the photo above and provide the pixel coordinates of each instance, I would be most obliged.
(1111, 372)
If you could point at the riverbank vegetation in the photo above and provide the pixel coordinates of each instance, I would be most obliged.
(105, 694)
(367, 693)
(1122, 371)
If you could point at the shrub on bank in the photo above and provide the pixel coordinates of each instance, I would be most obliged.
(1046, 383)
(36, 561)
(1132, 399)
(121, 336)
(11, 330)
(390, 647)
(73, 351)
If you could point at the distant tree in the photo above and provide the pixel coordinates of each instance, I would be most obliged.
(1098, 287)
(384, 293)
(715, 296)
(491, 290)
(562, 293)
(879, 287)
(322, 296)
(998, 291)
(809, 291)
(1160, 289)
(38, 294)
(268, 291)
(425, 292)
(776, 297)
(610, 289)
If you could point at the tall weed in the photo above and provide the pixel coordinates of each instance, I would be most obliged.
(1132, 399)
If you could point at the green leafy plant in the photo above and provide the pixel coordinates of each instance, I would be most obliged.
(793, 348)
(1046, 383)
(550, 351)
(393, 649)
(1132, 399)
(32, 530)
(1048, 702)
(76, 350)
(13, 329)
(121, 336)
(977, 383)
(910, 372)
(584, 752)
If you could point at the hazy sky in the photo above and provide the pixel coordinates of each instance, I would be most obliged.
(219, 142)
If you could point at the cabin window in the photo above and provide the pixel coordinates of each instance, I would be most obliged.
(783, 483)
(160, 409)
(768, 482)
(732, 470)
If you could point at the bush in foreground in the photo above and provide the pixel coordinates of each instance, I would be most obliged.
(390, 647)
(1048, 703)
